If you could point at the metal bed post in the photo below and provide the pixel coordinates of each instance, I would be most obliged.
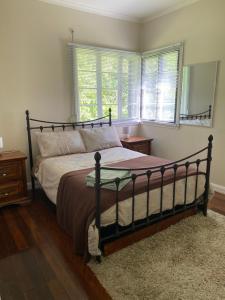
(30, 153)
(97, 195)
(208, 165)
(110, 117)
(210, 111)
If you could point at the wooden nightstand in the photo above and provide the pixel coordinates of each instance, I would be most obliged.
(13, 181)
(138, 143)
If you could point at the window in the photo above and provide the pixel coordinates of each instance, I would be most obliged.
(160, 84)
(133, 85)
(103, 79)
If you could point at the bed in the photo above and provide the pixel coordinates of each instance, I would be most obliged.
(156, 188)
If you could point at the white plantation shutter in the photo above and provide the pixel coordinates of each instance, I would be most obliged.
(160, 83)
(106, 78)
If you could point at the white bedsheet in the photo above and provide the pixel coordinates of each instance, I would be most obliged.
(50, 171)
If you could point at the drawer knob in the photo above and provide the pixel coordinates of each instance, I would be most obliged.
(3, 174)
(4, 195)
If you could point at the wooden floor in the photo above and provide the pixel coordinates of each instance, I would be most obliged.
(36, 259)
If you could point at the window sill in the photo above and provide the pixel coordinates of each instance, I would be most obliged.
(126, 123)
(160, 124)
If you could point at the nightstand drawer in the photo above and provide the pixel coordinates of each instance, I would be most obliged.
(143, 148)
(10, 171)
(13, 184)
(138, 144)
(11, 190)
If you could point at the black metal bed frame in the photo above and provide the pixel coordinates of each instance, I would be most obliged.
(52, 125)
(116, 230)
(200, 116)
(200, 203)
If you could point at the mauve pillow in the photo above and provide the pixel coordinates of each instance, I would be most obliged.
(100, 138)
(59, 143)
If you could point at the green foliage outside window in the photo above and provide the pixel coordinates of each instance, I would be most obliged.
(103, 82)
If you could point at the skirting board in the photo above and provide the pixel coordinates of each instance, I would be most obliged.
(217, 188)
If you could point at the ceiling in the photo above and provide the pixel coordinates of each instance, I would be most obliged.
(132, 10)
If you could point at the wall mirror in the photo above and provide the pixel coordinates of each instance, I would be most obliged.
(198, 92)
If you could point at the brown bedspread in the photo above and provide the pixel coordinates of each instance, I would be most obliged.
(76, 202)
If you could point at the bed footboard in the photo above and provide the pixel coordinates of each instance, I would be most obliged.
(200, 202)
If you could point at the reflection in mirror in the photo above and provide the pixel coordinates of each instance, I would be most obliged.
(198, 89)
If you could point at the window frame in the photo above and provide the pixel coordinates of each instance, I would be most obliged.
(75, 95)
(180, 48)
(75, 92)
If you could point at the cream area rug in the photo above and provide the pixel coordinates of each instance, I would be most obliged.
(185, 261)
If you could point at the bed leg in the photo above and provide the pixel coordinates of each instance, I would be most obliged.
(99, 259)
(33, 187)
(207, 183)
(205, 208)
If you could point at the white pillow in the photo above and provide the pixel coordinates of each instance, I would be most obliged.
(59, 143)
(100, 138)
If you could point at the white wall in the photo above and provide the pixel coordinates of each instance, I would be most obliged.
(35, 73)
(202, 27)
(34, 61)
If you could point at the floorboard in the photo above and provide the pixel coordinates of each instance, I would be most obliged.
(36, 258)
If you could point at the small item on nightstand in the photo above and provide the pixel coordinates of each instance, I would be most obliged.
(138, 143)
(125, 132)
(1, 145)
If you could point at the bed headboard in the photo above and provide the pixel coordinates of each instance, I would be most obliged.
(40, 125)
(200, 116)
